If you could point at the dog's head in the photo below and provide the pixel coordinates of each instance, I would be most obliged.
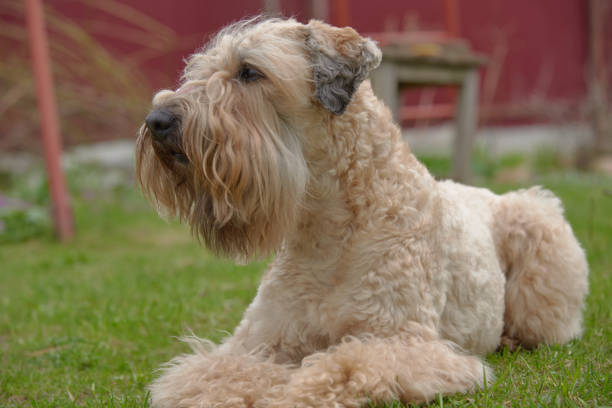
(224, 151)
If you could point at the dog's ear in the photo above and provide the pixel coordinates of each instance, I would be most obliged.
(341, 60)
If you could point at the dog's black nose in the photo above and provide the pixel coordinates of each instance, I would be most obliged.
(161, 123)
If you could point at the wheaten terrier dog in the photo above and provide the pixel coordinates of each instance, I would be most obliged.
(386, 284)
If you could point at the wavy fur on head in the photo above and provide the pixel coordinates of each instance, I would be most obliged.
(246, 174)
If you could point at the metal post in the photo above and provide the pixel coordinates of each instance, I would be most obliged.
(47, 108)
(343, 18)
(598, 79)
(451, 15)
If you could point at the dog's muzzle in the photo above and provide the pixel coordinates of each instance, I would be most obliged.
(164, 128)
(162, 124)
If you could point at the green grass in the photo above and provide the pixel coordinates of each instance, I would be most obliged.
(87, 323)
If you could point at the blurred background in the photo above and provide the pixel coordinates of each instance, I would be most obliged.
(488, 84)
(542, 74)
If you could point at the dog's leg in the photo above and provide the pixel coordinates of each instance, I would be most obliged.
(546, 269)
(380, 370)
(209, 378)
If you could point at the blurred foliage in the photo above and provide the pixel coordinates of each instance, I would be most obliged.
(99, 96)
(24, 214)
(545, 161)
(19, 224)
(487, 167)
(24, 197)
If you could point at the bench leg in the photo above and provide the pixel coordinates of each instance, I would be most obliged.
(386, 87)
(466, 121)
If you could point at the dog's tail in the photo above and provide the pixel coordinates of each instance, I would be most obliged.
(546, 268)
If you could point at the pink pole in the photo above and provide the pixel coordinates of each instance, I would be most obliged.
(451, 13)
(62, 214)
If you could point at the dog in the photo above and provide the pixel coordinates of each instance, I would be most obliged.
(386, 283)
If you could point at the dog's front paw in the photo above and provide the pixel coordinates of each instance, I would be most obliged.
(206, 380)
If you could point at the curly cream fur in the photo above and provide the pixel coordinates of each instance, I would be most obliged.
(386, 284)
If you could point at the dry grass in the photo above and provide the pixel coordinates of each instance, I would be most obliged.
(99, 96)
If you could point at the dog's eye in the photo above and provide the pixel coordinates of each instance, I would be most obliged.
(249, 74)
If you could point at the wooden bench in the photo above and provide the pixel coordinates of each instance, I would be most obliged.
(440, 61)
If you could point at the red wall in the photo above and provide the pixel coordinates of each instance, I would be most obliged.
(540, 46)
(546, 40)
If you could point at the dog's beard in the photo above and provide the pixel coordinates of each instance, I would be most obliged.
(244, 181)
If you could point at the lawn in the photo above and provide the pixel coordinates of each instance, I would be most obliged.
(87, 323)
